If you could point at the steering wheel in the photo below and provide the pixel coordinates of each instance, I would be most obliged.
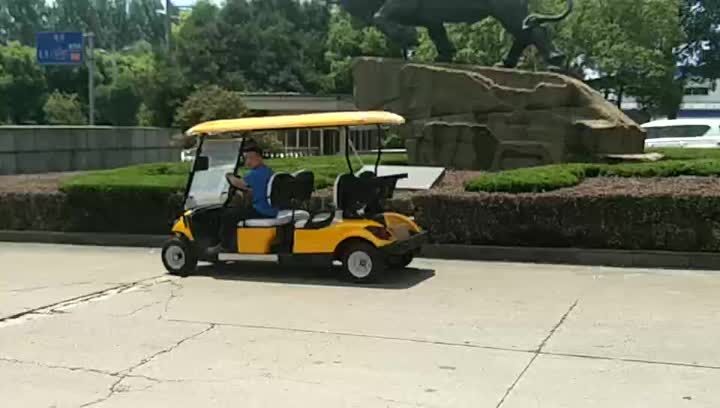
(232, 190)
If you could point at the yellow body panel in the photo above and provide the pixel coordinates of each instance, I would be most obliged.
(326, 240)
(255, 240)
(312, 120)
(400, 226)
(315, 241)
(182, 229)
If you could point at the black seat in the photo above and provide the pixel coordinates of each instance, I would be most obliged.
(364, 195)
(304, 186)
(281, 193)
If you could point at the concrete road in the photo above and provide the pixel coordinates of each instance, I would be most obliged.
(104, 327)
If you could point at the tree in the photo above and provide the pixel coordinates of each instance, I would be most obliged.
(145, 22)
(64, 109)
(119, 102)
(25, 87)
(209, 103)
(119, 98)
(198, 47)
(345, 41)
(630, 45)
(701, 25)
(21, 20)
(5, 83)
(264, 46)
(164, 91)
(76, 15)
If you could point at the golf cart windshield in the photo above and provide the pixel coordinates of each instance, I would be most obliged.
(209, 186)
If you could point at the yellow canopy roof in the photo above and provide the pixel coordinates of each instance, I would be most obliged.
(312, 120)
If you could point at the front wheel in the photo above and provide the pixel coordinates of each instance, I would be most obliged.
(362, 262)
(179, 257)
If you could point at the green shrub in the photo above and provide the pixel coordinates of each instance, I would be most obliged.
(677, 162)
(64, 109)
(687, 154)
(209, 103)
(157, 177)
(533, 179)
(669, 168)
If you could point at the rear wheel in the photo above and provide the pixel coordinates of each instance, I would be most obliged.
(362, 262)
(179, 257)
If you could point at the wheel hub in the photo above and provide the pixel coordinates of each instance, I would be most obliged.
(175, 257)
(360, 264)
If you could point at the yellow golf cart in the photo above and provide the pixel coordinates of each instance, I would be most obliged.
(356, 232)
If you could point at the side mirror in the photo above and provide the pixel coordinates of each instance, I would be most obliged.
(202, 163)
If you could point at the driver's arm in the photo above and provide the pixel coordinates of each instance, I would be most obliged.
(236, 182)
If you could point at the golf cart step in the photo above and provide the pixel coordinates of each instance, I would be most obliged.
(242, 257)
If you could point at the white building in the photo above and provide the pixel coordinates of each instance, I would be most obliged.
(702, 100)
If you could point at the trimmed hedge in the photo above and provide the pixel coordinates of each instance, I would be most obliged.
(690, 223)
(81, 211)
(677, 162)
(554, 177)
(682, 223)
(172, 177)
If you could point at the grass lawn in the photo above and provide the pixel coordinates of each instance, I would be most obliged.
(172, 177)
(677, 162)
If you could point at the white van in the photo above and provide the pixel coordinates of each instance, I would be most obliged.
(698, 133)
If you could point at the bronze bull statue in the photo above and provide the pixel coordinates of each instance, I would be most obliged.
(397, 19)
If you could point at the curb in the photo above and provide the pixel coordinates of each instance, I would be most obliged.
(571, 256)
(80, 238)
(577, 256)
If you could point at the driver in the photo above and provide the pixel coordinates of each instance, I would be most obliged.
(255, 183)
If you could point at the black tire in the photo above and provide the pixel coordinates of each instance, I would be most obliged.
(362, 262)
(179, 257)
(400, 261)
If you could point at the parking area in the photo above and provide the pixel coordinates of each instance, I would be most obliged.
(105, 327)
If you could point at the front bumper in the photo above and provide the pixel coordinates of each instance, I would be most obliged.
(412, 244)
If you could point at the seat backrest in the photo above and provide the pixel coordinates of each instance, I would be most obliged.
(367, 191)
(304, 186)
(280, 190)
(288, 191)
(350, 194)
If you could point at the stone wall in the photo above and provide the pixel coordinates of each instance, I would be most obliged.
(43, 149)
(480, 118)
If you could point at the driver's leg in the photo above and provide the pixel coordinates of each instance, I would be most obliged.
(229, 220)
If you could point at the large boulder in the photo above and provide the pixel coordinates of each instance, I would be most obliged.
(472, 117)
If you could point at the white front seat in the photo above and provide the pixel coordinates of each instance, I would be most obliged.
(284, 217)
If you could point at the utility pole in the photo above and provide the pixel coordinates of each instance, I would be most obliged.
(168, 24)
(91, 77)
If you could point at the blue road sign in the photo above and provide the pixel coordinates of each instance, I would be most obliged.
(61, 48)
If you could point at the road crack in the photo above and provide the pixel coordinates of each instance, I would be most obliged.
(169, 349)
(139, 309)
(537, 352)
(176, 287)
(117, 388)
(58, 307)
(58, 367)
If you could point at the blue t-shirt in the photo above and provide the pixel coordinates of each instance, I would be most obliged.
(257, 179)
